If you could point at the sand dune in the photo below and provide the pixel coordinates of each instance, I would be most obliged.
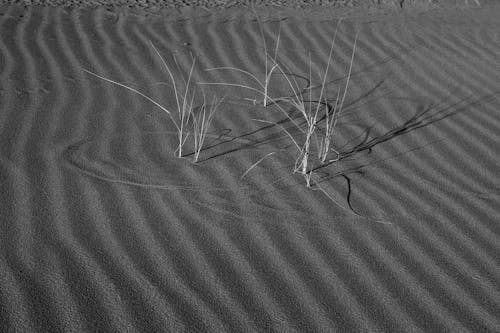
(103, 229)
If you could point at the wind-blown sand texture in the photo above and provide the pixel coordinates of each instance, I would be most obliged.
(103, 229)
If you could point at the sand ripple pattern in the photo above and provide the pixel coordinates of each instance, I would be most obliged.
(103, 230)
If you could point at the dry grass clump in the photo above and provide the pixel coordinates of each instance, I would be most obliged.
(201, 123)
(186, 117)
(270, 65)
(316, 127)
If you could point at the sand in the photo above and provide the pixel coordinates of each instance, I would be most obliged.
(103, 229)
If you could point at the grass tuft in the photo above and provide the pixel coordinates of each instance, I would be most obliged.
(183, 116)
(201, 123)
(261, 86)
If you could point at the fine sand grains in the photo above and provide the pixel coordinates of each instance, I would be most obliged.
(103, 228)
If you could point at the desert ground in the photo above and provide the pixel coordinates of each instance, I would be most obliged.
(395, 228)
